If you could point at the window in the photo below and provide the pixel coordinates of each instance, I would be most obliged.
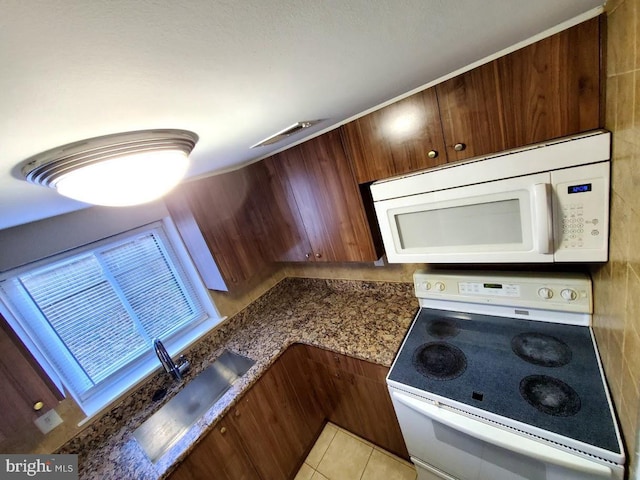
(91, 314)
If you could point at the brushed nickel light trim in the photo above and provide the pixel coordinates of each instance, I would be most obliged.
(282, 134)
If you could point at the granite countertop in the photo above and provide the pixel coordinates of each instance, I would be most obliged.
(366, 320)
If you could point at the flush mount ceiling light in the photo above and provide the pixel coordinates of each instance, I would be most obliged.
(115, 170)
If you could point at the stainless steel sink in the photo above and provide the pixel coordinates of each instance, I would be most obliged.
(165, 427)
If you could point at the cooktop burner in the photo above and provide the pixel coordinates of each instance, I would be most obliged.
(440, 361)
(550, 395)
(541, 349)
(491, 360)
(443, 328)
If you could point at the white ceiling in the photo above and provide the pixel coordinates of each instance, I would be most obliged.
(234, 72)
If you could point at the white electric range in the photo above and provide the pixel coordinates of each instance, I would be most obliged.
(499, 378)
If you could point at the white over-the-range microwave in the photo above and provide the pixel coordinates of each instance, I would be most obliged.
(540, 204)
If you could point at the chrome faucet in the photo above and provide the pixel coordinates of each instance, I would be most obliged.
(176, 370)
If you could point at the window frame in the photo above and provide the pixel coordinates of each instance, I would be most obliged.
(136, 372)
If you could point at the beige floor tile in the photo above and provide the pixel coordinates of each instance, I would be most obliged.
(382, 466)
(366, 442)
(305, 472)
(345, 459)
(321, 445)
(318, 476)
(395, 457)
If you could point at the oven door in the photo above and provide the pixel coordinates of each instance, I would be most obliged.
(448, 445)
(494, 222)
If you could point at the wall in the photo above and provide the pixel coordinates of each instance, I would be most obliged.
(354, 271)
(32, 241)
(617, 284)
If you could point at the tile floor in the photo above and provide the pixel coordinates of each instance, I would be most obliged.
(341, 455)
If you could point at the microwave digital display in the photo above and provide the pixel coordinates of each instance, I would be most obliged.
(492, 285)
(585, 187)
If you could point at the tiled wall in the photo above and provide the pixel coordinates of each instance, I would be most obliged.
(617, 284)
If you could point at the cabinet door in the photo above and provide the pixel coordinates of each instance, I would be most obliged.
(219, 455)
(291, 243)
(402, 137)
(221, 207)
(546, 90)
(23, 385)
(276, 425)
(355, 397)
(245, 219)
(328, 199)
(552, 88)
(471, 113)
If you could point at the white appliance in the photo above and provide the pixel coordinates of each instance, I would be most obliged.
(545, 203)
(499, 378)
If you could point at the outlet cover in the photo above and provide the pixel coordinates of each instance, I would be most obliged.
(48, 421)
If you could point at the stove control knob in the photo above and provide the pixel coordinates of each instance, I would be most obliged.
(569, 294)
(545, 293)
(427, 285)
(439, 286)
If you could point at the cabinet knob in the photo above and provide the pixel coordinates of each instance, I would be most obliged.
(432, 154)
(458, 147)
(307, 255)
(223, 430)
(237, 413)
(38, 405)
(318, 255)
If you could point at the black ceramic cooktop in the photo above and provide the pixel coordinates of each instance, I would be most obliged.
(538, 373)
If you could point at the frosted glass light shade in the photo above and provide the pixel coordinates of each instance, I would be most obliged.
(126, 180)
(115, 170)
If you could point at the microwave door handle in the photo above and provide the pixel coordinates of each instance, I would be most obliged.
(502, 438)
(542, 221)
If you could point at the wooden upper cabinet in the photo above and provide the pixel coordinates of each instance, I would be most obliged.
(221, 206)
(552, 88)
(328, 199)
(546, 90)
(23, 385)
(402, 137)
(290, 242)
(471, 113)
(245, 218)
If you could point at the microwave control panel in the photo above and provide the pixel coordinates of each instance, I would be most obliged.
(581, 211)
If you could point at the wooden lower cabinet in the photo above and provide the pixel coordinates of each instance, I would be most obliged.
(279, 418)
(268, 434)
(219, 455)
(355, 397)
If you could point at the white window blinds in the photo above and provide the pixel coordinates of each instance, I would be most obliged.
(95, 313)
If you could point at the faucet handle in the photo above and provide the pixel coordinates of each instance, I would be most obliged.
(183, 364)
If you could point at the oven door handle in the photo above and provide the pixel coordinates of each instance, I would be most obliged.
(542, 222)
(503, 438)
